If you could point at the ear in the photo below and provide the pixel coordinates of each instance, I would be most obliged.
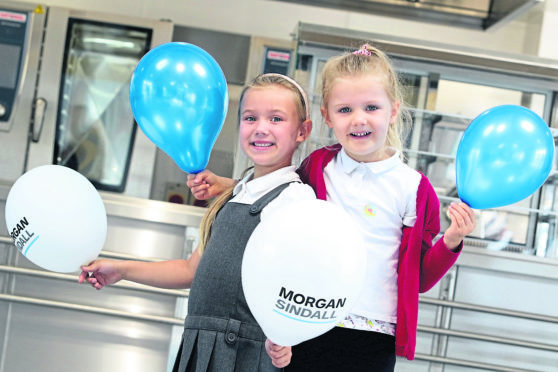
(304, 131)
(325, 115)
(394, 111)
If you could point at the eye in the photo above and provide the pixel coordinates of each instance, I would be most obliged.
(344, 110)
(249, 118)
(371, 108)
(276, 119)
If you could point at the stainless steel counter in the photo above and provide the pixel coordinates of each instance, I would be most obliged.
(481, 296)
(127, 325)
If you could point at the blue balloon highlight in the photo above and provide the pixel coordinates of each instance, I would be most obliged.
(505, 155)
(179, 98)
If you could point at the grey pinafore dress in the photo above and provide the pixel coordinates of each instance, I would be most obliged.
(220, 332)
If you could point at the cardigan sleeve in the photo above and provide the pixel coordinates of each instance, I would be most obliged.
(436, 259)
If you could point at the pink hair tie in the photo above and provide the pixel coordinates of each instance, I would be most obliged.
(363, 50)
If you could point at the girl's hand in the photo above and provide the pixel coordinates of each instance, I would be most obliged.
(100, 273)
(280, 355)
(462, 223)
(206, 184)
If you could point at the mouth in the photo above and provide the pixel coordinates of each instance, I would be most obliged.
(360, 134)
(261, 144)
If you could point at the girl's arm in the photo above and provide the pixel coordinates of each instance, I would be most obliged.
(206, 184)
(437, 259)
(164, 274)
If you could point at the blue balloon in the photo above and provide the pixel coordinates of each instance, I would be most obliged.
(505, 155)
(179, 99)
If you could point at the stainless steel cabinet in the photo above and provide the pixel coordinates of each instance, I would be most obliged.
(21, 32)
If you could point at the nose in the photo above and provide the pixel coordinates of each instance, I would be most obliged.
(261, 127)
(358, 117)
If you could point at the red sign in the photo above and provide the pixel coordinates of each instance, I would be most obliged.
(18, 17)
(282, 56)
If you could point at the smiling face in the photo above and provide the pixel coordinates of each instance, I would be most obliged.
(360, 113)
(270, 127)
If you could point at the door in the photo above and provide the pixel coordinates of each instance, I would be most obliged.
(83, 118)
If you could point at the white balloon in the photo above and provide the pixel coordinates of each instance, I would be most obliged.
(303, 269)
(56, 218)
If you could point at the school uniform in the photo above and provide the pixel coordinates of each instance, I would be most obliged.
(415, 266)
(220, 332)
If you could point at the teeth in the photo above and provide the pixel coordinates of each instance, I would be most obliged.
(262, 144)
(360, 134)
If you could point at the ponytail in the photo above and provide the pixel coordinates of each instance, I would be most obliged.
(209, 218)
(212, 210)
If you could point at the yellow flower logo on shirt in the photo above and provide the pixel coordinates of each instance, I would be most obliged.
(369, 210)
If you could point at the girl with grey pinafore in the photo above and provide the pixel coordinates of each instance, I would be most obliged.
(220, 332)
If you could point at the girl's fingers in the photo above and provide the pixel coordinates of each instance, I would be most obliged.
(280, 355)
(83, 276)
(462, 216)
(467, 213)
(276, 348)
(277, 354)
(195, 180)
(283, 360)
(281, 364)
(200, 188)
(461, 210)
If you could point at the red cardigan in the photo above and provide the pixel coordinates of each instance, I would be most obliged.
(421, 264)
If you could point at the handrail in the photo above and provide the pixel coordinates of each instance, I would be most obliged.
(488, 309)
(125, 256)
(481, 337)
(91, 309)
(468, 363)
(109, 254)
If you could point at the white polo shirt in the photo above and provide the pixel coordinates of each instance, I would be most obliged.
(249, 190)
(381, 196)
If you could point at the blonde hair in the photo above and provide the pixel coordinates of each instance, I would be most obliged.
(302, 109)
(369, 60)
(266, 80)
